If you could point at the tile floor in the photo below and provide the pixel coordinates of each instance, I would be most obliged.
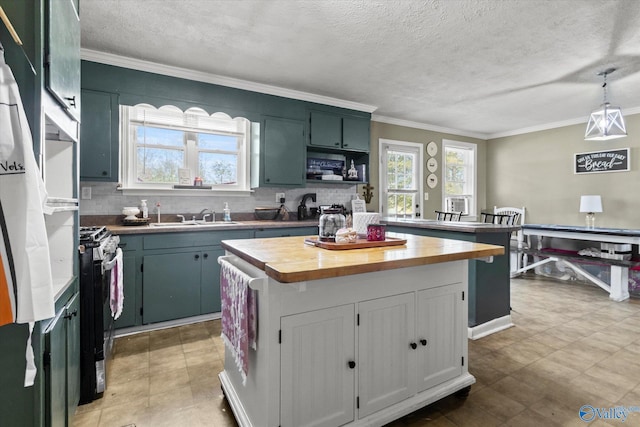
(571, 346)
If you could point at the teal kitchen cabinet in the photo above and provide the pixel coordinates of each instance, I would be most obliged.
(177, 275)
(260, 233)
(339, 132)
(210, 300)
(62, 365)
(62, 57)
(131, 246)
(171, 286)
(99, 131)
(280, 158)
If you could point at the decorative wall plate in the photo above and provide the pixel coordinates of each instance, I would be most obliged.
(432, 164)
(432, 181)
(432, 148)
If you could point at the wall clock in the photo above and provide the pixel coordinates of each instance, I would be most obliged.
(432, 164)
(432, 181)
(432, 148)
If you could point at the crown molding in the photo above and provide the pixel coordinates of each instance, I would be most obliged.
(183, 73)
(425, 126)
(555, 125)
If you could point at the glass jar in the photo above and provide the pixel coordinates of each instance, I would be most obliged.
(331, 221)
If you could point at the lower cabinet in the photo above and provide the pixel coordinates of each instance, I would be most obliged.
(62, 365)
(169, 276)
(318, 368)
(406, 344)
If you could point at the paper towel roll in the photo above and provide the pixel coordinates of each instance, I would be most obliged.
(362, 219)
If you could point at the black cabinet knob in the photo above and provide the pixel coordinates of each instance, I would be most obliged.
(413, 345)
(423, 341)
(104, 173)
(205, 256)
(345, 145)
(351, 364)
(267, 180)
(197, 257)
(337, 144)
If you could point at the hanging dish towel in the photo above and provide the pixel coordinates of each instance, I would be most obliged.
(116, 286)
(25, 276)
(239, 315)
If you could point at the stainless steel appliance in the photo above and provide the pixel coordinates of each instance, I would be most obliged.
(97, 252)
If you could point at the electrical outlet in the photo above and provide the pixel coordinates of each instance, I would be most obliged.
(86, 193)
(426, 196)
(279, 197)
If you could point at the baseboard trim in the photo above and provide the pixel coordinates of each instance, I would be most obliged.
(165, 325)
(490, 327)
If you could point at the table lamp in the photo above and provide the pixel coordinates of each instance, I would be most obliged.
(590, 205)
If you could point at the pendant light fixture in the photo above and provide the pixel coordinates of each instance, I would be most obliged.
(606, 122)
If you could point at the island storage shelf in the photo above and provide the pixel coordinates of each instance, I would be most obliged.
(323, 341)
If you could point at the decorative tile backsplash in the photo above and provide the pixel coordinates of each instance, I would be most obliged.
(106, 199)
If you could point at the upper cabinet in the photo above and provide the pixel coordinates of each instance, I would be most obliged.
(99, 128)
(62, 57)
(280, 160)
(339, 132)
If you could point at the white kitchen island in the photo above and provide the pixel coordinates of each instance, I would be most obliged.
(358, 337)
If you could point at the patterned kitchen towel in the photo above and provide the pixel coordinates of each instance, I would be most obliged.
(239, 315)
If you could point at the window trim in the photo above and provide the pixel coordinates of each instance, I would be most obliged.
(382, 175)
(473, 202)
(127, 166)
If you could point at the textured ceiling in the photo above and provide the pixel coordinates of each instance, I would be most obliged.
(483, 67)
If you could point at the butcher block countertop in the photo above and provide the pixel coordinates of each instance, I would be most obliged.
(289, 259)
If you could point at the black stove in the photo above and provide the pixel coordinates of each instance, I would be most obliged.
(93, 234)
(97, 253)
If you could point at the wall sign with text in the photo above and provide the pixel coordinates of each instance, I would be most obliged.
(602, 161)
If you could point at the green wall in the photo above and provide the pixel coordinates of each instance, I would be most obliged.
(535, 170)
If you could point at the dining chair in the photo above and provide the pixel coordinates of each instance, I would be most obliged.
(448, 216)
(519, 241)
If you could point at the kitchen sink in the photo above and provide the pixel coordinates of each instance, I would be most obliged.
(192, 224)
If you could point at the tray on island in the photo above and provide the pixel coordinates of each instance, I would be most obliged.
(358, 244)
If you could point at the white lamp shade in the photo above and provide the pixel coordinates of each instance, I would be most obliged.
(590, 204)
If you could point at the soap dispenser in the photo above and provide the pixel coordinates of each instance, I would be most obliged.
(144, 209)
(227, 212)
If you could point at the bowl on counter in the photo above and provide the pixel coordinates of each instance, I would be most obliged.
(130, 212)
(266, 214)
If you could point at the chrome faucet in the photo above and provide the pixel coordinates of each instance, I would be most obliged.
(204, 217)
(181, 217)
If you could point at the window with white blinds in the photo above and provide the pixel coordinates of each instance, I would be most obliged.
(166, 147)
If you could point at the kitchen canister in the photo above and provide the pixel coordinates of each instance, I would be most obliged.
(375, 233)
(331, 221)
(362, 219)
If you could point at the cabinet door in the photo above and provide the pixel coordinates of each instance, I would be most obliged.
(326, 130)
(386, 358)
(355, 133)
(210, 285)
(56, 372)
(99, 136)
(440, 335)
(317, 381)
(72, 317)
(171, 286)
(283, 153)
(63, 56)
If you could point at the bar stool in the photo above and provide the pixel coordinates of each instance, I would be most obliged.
(448, 216)
(493, 218)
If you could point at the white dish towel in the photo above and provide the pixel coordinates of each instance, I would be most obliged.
(116, 300)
